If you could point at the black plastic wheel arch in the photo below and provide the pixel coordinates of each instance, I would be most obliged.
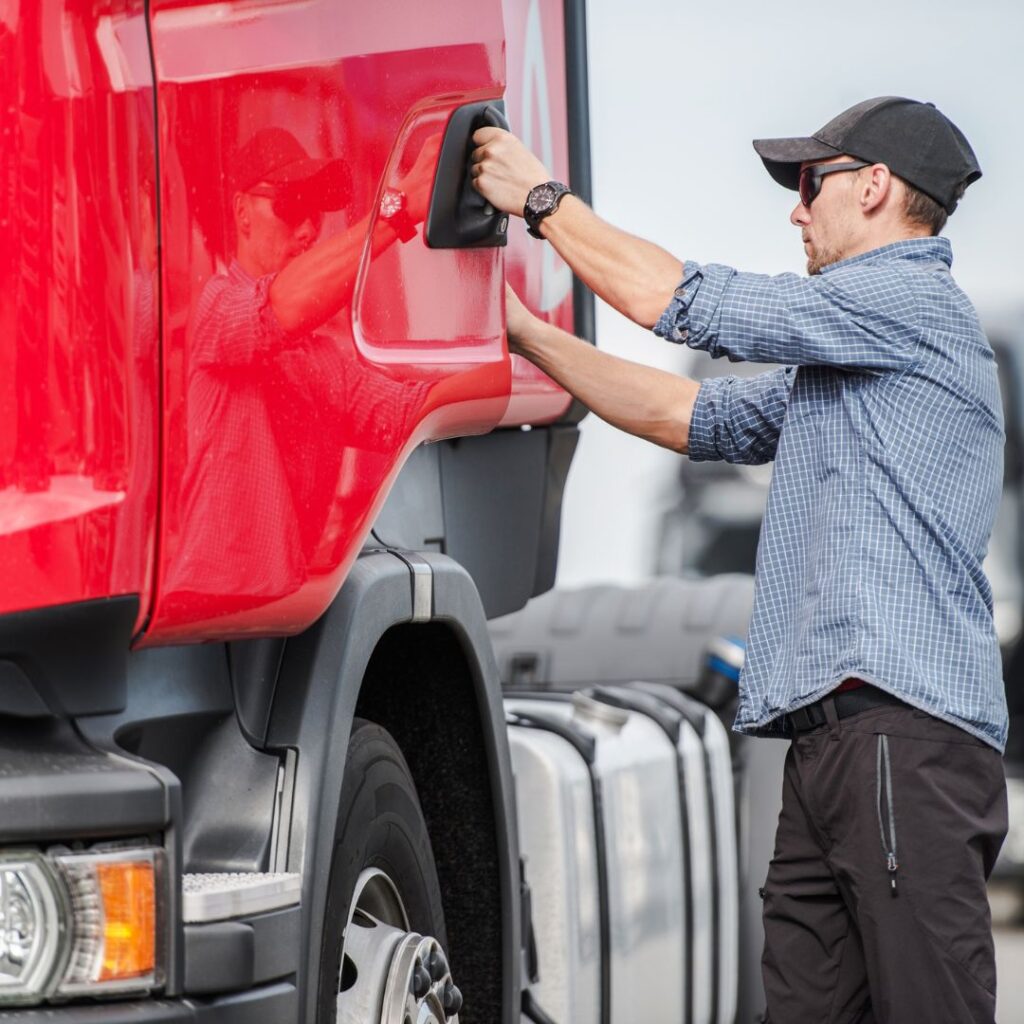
(315, 704)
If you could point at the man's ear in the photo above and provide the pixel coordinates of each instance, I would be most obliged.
(240, 209)
(875, 184)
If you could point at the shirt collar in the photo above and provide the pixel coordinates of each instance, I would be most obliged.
(925, 250)
(238, 274)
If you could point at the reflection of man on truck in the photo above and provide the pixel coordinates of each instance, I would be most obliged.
(263, 375)
(871, 643)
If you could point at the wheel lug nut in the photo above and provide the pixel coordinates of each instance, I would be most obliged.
(438, 965)
(452, 999)
(420, 981)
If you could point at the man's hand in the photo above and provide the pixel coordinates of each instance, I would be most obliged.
(519, 321)
(504, 170)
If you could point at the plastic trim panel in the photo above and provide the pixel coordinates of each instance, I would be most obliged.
(73, 655)
(274, 1004)
(55, 786)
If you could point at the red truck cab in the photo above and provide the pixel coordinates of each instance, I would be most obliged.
(155, 418)
(255, 392)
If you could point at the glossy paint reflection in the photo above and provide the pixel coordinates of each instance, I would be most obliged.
(362, 343)
(78, 302)
(274, 402)
(309, 345)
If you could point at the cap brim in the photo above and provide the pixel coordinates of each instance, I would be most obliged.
(330, 179)
(782, 157)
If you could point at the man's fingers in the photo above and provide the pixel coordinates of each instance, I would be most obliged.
(484, 135)
(503, 170)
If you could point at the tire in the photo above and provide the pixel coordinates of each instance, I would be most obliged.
(380, 825)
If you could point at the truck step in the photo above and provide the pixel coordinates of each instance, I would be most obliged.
(218, 897)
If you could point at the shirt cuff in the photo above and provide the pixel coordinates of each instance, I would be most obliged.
(701, 445)
(674, 322)
(691, 316)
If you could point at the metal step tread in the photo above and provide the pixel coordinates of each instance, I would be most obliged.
(220, 896)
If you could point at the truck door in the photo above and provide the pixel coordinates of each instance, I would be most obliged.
(311, 339)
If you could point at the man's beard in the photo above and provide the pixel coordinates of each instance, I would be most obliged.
(821, 258)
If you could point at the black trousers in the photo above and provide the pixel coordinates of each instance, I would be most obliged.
(875, 907)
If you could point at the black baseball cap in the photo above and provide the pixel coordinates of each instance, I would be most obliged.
(276, 156)
(915, 140)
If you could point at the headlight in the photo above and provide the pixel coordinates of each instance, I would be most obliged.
(74, 924)
(31, 947)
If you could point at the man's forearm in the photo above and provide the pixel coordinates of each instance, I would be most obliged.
(635, 276)
(313, 286)
(641, 400)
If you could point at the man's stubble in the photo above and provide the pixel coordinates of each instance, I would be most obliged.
(821, 258)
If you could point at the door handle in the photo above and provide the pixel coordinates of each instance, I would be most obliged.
(459, 217)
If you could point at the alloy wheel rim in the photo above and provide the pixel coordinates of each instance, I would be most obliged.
(390, 974)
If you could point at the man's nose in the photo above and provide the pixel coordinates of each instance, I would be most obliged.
(800, 216)
(306, 231)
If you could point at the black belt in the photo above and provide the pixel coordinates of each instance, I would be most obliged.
(847, 703)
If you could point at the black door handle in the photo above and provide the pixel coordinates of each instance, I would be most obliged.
(459, 217)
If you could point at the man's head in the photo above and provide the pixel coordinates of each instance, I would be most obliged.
(908, 168)
(279, 198)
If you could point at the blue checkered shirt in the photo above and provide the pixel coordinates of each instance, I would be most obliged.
(886, 430)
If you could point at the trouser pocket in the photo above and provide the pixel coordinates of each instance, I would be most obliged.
(934, 809)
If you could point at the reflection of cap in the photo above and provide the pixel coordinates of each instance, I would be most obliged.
(274, 155)
(915, 140)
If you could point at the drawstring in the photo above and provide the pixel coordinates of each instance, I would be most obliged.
(888, 846)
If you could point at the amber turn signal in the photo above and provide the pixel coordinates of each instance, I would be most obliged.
(128, 896)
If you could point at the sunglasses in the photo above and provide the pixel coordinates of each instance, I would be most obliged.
(291, 205)
(810, 177)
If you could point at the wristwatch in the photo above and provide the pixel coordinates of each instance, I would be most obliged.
(542, 201)
(393, 209)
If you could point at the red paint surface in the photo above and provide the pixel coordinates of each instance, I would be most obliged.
(535, 103)
(79, 354)
(266, 506)
(273, 448)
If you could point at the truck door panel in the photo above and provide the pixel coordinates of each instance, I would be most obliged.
(78, 310)
(299, 373)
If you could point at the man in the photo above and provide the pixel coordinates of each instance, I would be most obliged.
(871, 643)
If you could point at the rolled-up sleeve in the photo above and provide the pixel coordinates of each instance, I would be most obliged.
(236, 324)
(859, 317)
(739, 419)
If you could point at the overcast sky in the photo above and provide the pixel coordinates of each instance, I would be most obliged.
(677, 92)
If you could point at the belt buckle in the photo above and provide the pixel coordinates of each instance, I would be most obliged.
(808, 717)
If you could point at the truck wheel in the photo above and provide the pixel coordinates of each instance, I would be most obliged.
(383, 954)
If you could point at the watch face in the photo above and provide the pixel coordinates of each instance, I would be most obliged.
(542, 198)
(391, 202)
